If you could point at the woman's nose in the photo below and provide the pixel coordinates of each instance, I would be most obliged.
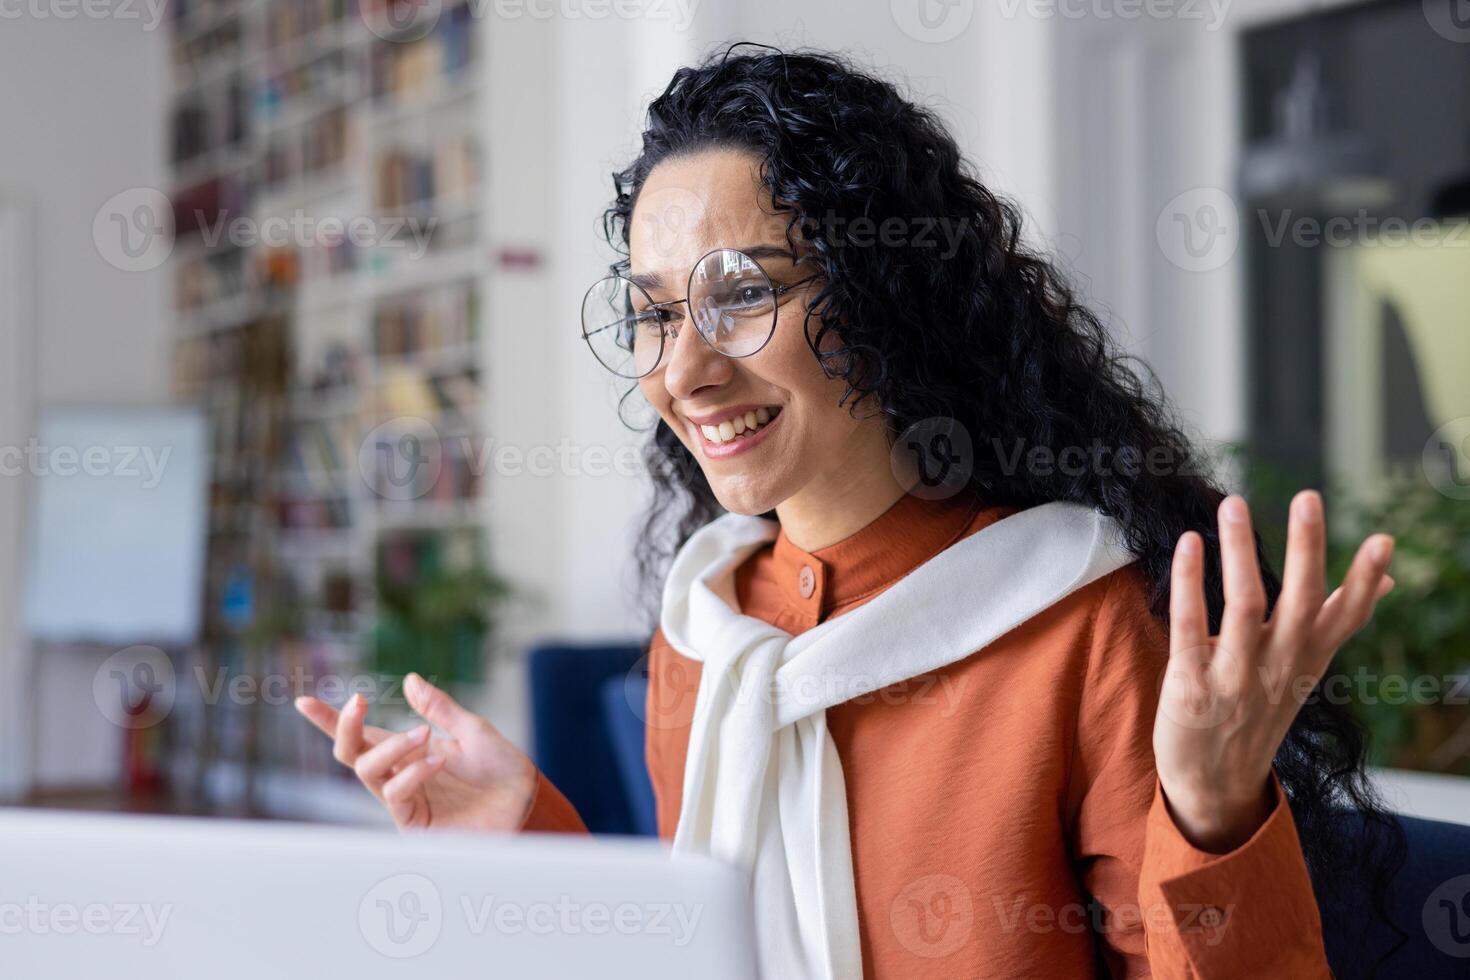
(691, 364)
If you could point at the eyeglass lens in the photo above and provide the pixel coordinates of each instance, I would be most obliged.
(730, 299)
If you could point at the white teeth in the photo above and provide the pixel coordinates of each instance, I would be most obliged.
(736, 425)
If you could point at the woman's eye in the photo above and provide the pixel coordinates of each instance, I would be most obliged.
(745, 297)
(654, 318)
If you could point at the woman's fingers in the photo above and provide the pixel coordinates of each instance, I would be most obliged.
(1303, 584)
(324, 717)
(1245, 595)
(1350, 605)
(378, 763)
(394, 767)
(348, 740)
(438, 708)
(1189, 624)
(400, 793)
(319, 713)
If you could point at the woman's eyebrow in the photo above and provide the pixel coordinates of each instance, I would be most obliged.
(651, 281)
(769, 252)
(647, 281)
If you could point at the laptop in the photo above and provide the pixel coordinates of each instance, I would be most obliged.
(143, 898)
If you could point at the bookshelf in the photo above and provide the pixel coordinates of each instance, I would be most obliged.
(347, 312)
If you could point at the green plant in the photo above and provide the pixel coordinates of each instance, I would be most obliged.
(1409, 668)
(437, 602)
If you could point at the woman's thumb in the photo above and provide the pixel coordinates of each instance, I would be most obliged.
(435, 706)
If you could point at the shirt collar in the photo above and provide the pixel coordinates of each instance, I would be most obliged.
(902, 538)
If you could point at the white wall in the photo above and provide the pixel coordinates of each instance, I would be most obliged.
(17, 370)
(82, 119)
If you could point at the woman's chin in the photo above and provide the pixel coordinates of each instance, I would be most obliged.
(747, 500)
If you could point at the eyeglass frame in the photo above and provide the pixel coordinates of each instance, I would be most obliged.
(777, 291)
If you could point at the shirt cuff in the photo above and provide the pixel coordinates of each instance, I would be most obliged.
(1247, 912)
(550, 811)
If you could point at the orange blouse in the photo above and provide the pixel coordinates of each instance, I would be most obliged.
(1005, 815)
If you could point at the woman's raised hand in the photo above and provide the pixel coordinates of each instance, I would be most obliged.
(469, 778)
(1227, 701)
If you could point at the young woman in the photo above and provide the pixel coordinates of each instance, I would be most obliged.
(974, 675)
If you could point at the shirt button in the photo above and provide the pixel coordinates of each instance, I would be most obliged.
(1211, 917)
(808, 581)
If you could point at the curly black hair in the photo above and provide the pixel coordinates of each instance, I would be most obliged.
(983, 331)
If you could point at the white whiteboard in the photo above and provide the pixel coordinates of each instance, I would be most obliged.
(118, 525)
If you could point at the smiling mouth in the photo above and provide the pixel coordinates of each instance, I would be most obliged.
(739, 427)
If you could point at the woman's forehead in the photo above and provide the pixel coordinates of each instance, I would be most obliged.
(692, 205)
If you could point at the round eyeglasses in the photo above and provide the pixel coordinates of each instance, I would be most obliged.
(731, 299)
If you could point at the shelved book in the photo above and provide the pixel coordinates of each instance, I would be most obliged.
(428, 320)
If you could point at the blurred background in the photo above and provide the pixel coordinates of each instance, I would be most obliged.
(293, 398)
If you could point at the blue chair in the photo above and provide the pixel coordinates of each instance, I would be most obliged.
(588, 727)
(575, 743)
(622, 713)
(1429, 900)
